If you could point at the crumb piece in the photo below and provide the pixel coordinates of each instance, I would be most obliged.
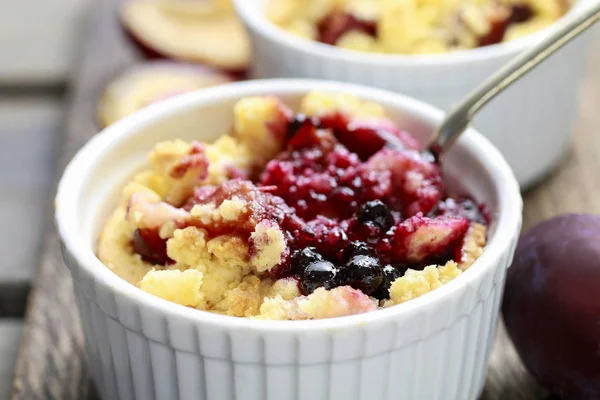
(245, 299)
(166, 154)
(302, 29)
(230, 250)
(115, 249)
(287, 288)
(425, 237)
(229, 210)
(268, 246)
(181, 287)
(232, 209)
(223, 260)
(227, 154)
(473, 246)
(338, 302)
(417, 283)
(474, 18)
(448, 272)
(146, 210)
(318, 104)
(282, 11)
(188, 246)
(278, 309)
(356, 40)
(182, 166)
(364, 10)
(261, 126)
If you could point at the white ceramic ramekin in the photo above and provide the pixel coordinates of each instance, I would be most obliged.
(142, 347)
(530, 123)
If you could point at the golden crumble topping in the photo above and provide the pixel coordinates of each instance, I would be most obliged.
(223, 239)
(180, 287)
(414, 26)
(417, 283)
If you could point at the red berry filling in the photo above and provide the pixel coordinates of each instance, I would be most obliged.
(335, 25)
(260, 205)
(354, 208)
(501, 21)
(153, 249)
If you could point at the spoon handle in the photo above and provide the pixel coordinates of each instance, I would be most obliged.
(459, 118)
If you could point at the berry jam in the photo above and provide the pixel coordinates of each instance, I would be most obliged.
(337, 24)
(500, 23)
(153, 249)
(355, 209)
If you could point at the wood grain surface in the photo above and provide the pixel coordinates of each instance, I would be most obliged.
(51, 360)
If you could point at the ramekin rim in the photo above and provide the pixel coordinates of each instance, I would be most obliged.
(509, 216)
(247, 10)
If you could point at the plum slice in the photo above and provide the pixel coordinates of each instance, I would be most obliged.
(146, 83)
(213, 37)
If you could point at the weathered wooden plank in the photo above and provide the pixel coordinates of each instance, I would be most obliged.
(29, 129)
(10, 335)
(37, 40)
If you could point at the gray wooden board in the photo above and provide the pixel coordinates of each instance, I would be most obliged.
(51, 361)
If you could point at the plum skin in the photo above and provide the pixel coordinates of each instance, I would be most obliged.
(551, 304)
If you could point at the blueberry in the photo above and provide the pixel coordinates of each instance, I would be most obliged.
(302, 258)
(471, 211)
(390, 274)
(462, 208)
(355, 249)
(377, 213)
(362, 272)
(318, 274)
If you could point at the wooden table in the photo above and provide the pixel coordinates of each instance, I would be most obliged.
(50, 362)
(36, 49)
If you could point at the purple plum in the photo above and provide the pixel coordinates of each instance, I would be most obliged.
(552, 304)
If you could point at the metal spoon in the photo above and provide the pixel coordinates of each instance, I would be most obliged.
(459, 118)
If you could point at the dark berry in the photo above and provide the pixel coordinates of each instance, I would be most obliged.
(363, 273)
(520, 13)
(390, 274)
(318, 274)
(302, 258)
(148, 244)
(377, 213)
(304, 132)
(355, 249)
(465, 208)
(336, 24)
(470, 210)
(498, 24)
(298, 122)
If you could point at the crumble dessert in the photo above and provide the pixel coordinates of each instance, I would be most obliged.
(414, 26)
(293, 215)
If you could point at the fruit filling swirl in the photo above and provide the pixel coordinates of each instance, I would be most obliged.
(324, 212)
(414, 26)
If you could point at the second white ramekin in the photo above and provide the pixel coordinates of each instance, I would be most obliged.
(531, 123)
(139, 346)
